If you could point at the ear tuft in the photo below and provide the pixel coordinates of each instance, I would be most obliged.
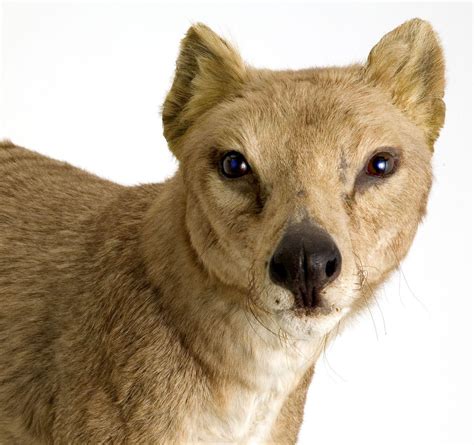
(208, 70)
(408, 63)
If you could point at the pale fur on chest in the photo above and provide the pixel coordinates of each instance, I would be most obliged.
(247, 410)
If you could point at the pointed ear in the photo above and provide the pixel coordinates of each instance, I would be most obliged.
(208, 70)
(408, 63)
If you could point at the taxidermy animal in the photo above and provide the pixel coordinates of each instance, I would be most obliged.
(193, 311)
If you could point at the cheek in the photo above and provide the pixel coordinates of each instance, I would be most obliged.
(227, 213)
(383, 226)
(228, 200)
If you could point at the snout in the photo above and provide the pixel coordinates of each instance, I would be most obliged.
(305, 261)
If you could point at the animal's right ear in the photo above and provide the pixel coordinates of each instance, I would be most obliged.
(208, 70)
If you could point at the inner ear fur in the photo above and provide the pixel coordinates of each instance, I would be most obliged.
(208, 70)
(408, 62)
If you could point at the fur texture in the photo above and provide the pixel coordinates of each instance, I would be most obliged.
(145, 315)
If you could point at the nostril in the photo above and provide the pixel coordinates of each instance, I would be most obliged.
(331, 267)
(278, 271)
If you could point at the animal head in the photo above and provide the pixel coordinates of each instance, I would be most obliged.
(304, 189)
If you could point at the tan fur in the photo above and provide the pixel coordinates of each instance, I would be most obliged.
(145, 315)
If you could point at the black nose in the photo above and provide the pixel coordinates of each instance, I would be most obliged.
(306, 260)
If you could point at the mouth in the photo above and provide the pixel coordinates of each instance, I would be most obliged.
(315, 311)
(301, 306)
(308, 323)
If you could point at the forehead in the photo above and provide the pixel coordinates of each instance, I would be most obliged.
(301, 119)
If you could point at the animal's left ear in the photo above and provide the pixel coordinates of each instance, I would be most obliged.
(408, 63)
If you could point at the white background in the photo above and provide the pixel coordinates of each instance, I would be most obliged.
(84, 83)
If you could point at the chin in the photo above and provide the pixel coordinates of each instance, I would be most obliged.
(301, 324)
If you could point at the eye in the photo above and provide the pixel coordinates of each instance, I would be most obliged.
(234, 165)
(381, 164)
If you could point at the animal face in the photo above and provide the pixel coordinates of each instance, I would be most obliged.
(305, 188)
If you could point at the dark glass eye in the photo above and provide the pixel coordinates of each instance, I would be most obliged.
(234, 165)
(382, 164)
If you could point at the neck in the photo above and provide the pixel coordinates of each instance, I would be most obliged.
(248, 368)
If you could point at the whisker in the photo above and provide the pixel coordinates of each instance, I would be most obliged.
(381, 313)
(252, 305)
(252, 326)
(371, 316)
(405, 279)
(364, 281)
(326, 361)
